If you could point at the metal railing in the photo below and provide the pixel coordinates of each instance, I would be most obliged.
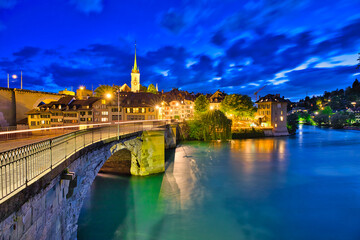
(22, 166)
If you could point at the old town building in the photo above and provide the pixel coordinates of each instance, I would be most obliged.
(272, 113)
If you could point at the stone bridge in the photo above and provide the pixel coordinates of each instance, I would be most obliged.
(49, 207)
(15, 103)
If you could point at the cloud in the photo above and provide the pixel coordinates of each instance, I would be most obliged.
(218, 38)
(172, 21)
(27, 52)
(88, 6)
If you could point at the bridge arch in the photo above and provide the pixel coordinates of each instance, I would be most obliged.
(45, 99)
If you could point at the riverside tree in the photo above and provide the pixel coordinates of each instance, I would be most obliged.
(201, 104)
(240, 106)
(211, 125)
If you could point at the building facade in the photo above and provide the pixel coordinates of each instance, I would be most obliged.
(272, 113)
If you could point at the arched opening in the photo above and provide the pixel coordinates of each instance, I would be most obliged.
(44, 100)
(118, 163)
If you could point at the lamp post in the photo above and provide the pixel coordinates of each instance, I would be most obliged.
(109, 95)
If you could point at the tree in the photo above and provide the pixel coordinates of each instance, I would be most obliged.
(292, 123)
(238, 105)
(201, 104)
(151, 89)
(338, 120)
(211, 125)
(102, 90)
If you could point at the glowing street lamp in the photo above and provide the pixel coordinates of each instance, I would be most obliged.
(108, 95)
(211, 107)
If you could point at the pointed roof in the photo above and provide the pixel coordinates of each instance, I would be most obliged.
(135, 68)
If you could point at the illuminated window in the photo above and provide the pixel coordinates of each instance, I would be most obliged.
(104, 119)
(275, 125)
(281, 118)
(103, 101)
(104, 113)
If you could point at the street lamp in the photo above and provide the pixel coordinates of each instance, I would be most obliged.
(109, 95)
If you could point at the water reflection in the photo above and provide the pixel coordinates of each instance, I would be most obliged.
(297, 188)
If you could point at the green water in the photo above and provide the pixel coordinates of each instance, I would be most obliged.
(301, 187)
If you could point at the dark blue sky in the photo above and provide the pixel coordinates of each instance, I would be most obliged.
(295, 47)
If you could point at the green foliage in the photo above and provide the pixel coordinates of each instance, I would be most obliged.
(238, 105)
(151, 89)
(293, 123)
(212, 125)
(196, 130)
(339, 120)
(201, 104)
(322, 119)
(327, 111)
(248, 133)
(102, 90)
(323, 116)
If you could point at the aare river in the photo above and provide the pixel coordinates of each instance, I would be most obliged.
(299, 187)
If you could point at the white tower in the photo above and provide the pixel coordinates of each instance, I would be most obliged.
(135, 76)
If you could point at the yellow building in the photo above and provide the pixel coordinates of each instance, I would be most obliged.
(216, 99)
(272, 112)
(66, 92)
(83, 93)
(181, 110)
(141, 106)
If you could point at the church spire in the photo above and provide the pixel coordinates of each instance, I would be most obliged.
(135, 68)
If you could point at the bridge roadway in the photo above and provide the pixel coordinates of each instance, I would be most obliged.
(22, 166)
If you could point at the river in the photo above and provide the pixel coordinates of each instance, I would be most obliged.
(299, 187)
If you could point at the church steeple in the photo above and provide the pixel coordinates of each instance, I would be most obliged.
(135, 68)
(135, 76)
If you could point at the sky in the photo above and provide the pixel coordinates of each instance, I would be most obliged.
(292, 47)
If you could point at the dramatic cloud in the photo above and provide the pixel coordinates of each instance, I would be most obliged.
(236, 46)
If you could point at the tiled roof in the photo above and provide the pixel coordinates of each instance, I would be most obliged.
(271, 98)
(141, 99)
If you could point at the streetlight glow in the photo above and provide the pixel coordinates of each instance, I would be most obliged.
(108, 95)
(14, 76)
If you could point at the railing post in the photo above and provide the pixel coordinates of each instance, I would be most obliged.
(26, 172)
(51, 165)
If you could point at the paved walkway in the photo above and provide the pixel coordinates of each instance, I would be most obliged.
(15, 143)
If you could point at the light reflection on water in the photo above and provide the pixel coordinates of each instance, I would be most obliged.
(300, 187)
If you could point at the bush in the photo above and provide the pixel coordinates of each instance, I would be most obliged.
(248, 133)
(292, 123)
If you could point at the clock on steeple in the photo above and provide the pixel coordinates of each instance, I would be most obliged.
(135, 76)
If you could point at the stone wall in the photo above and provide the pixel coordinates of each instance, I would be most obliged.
(118, 163)
(15, 103)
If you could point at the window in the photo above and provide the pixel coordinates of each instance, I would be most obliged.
(279, 105)
(275, 125)
(89, 112)
(281, 112)
(103, 101)
(104, 113)
(32, 123)
(104, 119)
(281, 118)
(89, 119)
